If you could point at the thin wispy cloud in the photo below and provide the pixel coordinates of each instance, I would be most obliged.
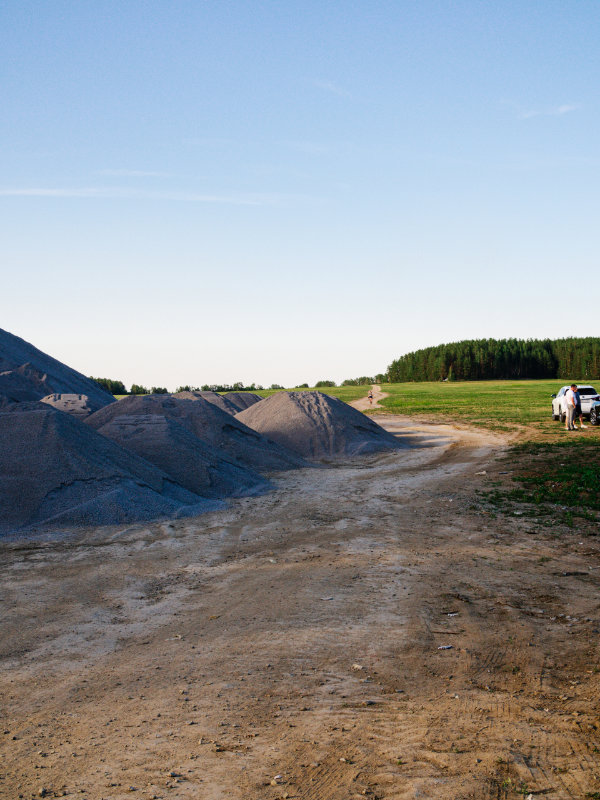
(556, 111)
(134, 173)
(333, 88)
(123, 193)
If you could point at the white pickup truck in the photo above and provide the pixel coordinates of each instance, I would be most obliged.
(587, 394)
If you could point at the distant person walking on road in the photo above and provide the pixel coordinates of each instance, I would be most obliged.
(571, 402)
(578, 412)
(370, 396)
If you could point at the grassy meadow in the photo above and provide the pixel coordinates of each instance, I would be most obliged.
(523, 406)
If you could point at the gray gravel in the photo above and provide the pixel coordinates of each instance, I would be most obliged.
(211, 425)
(197, 466)
(27, 373)
(231, 402)
(317, 426)
(57, 471)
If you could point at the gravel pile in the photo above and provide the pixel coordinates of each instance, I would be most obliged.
(213, 426)
(173, 448)
(28, 374)
(317, 426)
(57, 471)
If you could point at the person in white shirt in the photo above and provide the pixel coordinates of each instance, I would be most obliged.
(578, 412)
(571, 402)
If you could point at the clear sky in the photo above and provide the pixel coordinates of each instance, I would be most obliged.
(203, 191)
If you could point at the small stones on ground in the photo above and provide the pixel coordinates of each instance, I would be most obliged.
(357, 667)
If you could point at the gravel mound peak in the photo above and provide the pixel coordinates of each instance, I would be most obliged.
(317, 426)
(27, 373)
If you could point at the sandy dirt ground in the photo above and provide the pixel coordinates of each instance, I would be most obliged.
(363, 630)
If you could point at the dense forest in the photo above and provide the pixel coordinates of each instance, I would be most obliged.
(501, 359)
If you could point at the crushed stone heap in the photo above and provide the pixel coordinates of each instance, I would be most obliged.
(57, 471)
(317, 426)
(232, 402)
(173, 448)
(211, 425)
(27, 373)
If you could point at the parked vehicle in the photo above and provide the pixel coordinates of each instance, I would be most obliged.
(595, 413)
(587, 394)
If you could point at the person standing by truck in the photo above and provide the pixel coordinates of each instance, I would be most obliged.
(571, 404)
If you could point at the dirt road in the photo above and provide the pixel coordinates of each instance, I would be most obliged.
(363, 630)
(362, 404)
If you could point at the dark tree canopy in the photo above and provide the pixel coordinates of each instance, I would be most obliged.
(112, 386)
(500, 359)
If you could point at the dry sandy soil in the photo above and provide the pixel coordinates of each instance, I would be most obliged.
(294, 645)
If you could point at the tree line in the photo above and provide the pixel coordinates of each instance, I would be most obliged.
(118, 387)
(500, 359)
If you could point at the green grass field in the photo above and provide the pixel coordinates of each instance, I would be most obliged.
(523, 406)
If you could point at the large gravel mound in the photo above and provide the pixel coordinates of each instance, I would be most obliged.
(55, 470)
(317, 426)
(28, 374)
(211, 425)
(197, 466)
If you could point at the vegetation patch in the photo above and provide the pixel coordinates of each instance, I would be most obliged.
(555, 482)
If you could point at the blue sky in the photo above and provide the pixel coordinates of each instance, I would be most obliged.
(215, 191)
